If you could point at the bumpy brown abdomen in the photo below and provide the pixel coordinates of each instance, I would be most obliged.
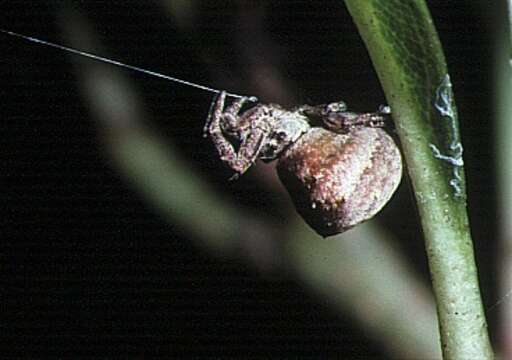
(337, 181)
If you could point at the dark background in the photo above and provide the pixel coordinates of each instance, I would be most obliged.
(89, 268)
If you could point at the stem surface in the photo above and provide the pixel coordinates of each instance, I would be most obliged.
(407, 54)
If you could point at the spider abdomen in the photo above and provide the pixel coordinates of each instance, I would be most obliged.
(337, 181)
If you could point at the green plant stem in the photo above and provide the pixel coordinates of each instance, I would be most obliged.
(509, 17)
(408, 57)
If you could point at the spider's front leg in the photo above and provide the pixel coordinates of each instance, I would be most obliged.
(228, 120)
(229, 116)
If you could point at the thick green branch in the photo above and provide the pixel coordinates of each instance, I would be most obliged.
(408, 57)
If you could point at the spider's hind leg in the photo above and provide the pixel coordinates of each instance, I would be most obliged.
(344, 121)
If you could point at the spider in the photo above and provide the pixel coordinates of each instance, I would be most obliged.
(264, 131)
(340, 167)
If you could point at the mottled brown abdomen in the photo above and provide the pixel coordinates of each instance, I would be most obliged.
(337, 181)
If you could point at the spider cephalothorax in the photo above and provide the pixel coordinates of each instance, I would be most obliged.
(339, 167)
(261, 132)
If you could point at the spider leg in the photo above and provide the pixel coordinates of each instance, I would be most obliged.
(311, 110)
(216, 109)
(249, 148)
(230, 115)
(344, 121)
(249, 151)
(213, 128)
(317, 113)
